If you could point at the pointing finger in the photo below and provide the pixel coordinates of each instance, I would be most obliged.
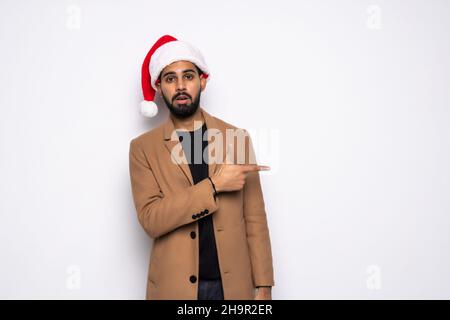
(254, 167)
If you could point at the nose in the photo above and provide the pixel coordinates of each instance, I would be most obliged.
(181, 86)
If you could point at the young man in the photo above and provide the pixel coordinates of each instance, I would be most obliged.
(204, 211)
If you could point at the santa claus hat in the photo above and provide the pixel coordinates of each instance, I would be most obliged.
(164, 52)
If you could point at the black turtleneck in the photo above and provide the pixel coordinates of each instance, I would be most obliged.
(193, 147)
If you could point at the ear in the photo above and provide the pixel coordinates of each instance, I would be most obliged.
(158, 87)
(202, 82)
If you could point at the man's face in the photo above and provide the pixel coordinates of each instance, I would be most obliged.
(181, 88)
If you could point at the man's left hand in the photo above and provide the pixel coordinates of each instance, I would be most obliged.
(263, 293)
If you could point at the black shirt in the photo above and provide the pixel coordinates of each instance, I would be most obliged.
(193, 147)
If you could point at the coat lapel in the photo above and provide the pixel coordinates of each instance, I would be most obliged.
(171, 140)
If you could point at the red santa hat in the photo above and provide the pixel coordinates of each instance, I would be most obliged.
(164, 52)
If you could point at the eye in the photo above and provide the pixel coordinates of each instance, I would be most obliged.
(169, 79)
(189, 76)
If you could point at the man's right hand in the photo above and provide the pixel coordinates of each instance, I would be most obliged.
(231, 177)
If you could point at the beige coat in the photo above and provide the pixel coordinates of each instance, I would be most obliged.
(168, 206)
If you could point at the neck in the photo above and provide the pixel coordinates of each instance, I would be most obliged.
(191, 123)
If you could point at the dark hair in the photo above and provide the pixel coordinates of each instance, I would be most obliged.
(200, 72)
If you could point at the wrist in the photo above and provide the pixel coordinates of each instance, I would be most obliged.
(215, 184)
(264, 289)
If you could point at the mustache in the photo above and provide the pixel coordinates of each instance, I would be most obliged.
(182, 94)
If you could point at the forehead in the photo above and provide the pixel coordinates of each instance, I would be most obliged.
(178, 66)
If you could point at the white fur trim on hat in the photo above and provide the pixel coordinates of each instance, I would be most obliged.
(175, 51)
(149, 108)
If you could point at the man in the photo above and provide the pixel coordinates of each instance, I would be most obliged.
(205, 213)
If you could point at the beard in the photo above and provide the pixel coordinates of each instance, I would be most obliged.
(182, 111)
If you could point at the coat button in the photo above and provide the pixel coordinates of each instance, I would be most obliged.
(193, 234)
(193, 279)
(180, 138)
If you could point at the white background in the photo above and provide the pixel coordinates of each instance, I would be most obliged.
(354, 96)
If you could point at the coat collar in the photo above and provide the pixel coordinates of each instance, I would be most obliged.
(169, 129)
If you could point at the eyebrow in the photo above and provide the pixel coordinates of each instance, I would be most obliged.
(172, 72)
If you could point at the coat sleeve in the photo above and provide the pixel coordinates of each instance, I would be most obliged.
(158, 213)
(258, 237)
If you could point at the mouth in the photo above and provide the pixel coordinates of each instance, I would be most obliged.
(182, 98)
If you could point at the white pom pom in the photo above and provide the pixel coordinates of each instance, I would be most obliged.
(149, 109)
